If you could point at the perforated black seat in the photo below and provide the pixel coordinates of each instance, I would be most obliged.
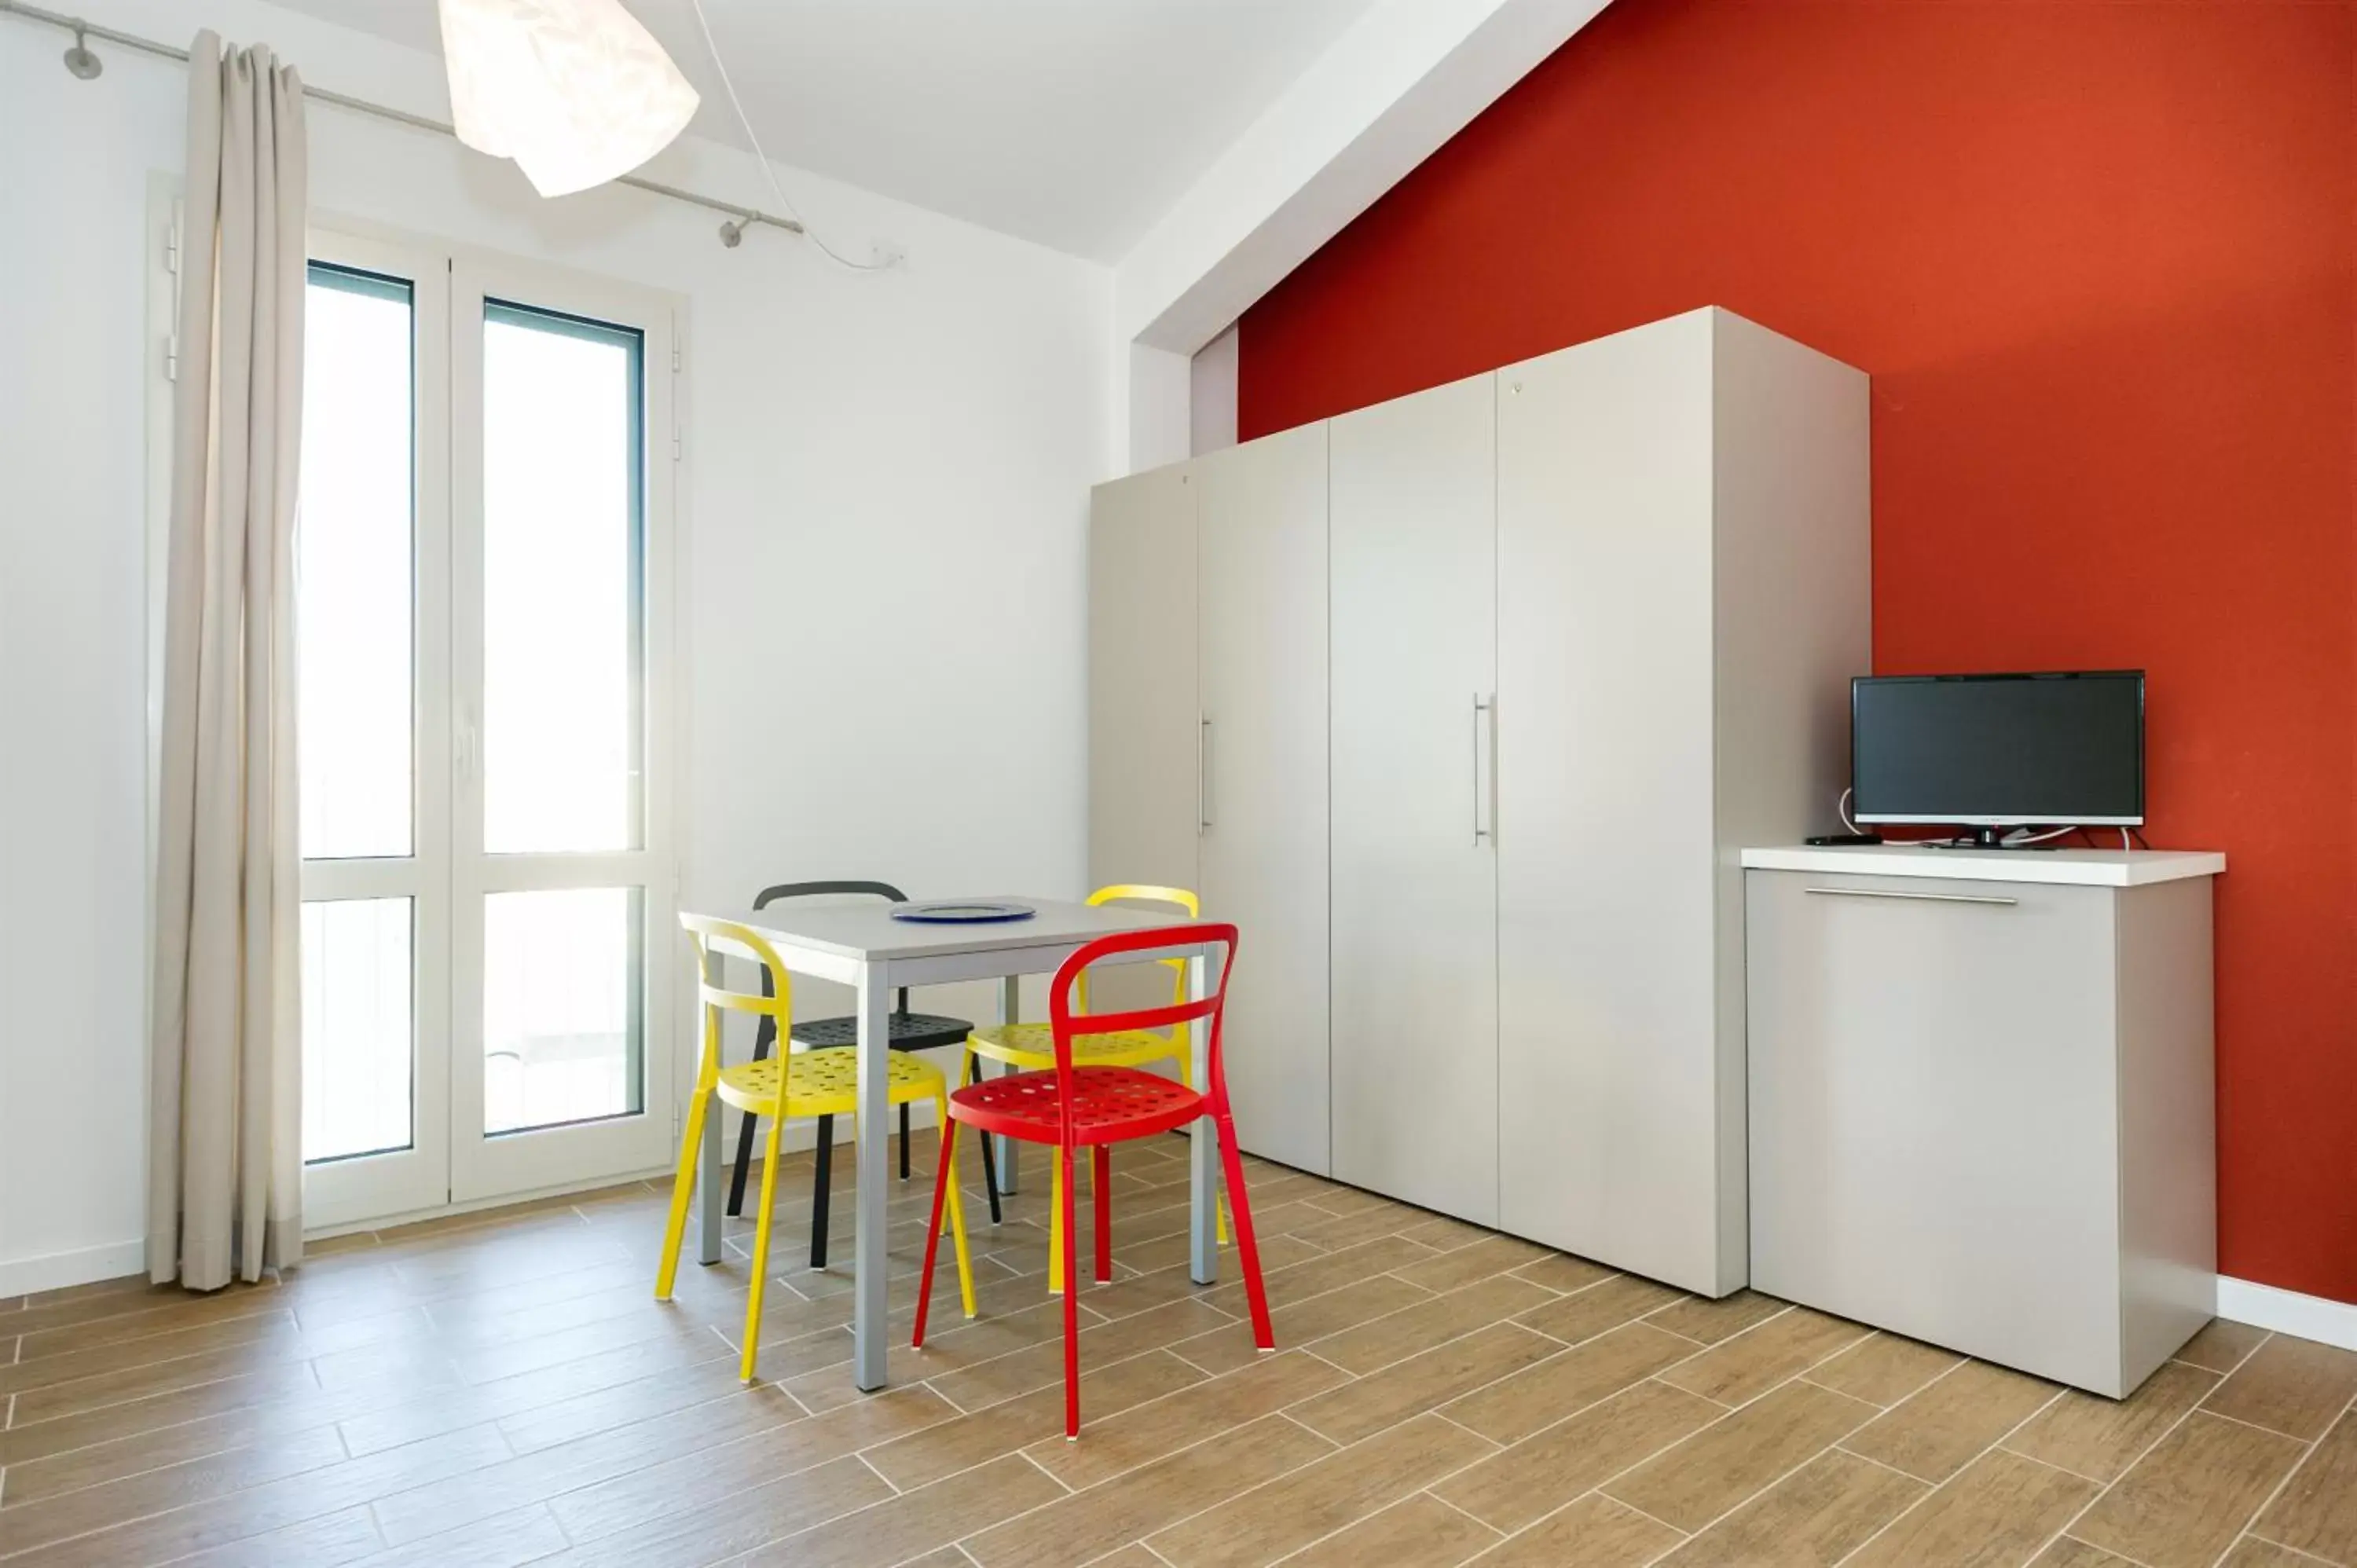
(910, 1032)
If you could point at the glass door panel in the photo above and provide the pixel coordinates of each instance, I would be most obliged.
(356, 597)
(358, 1044)
(561, 611)
(563, 1036)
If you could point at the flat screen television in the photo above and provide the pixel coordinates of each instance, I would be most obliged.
(1999, 751)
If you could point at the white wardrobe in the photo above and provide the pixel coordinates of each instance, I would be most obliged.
(1463, 706)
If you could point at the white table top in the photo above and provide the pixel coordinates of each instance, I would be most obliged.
(2078, 867)
(866, 933)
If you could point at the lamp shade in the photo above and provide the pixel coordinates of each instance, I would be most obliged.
(574, 90)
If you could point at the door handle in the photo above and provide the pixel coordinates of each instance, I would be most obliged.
(1202, 774)
(1915, 898)
(1482, 708)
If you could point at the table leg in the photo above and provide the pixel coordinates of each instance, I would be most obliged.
(1204, 1152)
(711, 1195)
(869, 1326)
(1010, 1011)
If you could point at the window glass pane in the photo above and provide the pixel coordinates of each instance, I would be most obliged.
(561, 1007)
(562, 732)
(353, 567)
(356, 1027)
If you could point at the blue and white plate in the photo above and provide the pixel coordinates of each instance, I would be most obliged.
(963, 911)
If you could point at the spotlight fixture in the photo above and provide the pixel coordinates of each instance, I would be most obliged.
(80, 61)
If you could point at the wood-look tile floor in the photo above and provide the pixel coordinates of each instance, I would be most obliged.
(500, 1389)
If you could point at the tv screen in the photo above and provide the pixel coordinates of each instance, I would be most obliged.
(1998, 749)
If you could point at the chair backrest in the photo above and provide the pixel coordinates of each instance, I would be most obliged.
(766, 1035)
(815, 889)
(1068, 1025)
(1144, 893)
(774, 1006)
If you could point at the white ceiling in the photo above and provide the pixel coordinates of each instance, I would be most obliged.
(1072, 122)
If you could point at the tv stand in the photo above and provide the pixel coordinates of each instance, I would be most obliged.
(1980, 1099)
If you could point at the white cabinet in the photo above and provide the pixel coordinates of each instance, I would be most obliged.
(1143, 703)
(1682, 569)
(1532, 654)
(1981, 1110)
(1415, 591)
(1261, 530)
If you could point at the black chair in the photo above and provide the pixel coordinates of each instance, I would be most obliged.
(910, 1032)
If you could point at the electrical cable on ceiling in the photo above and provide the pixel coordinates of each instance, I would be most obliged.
(729, 233)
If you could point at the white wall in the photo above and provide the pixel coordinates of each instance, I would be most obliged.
(1212, 392)
(1158, 408)
(886, 491)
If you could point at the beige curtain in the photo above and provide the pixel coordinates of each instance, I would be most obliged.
(225, 1171)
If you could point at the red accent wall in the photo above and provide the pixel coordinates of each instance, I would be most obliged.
(2097, 257)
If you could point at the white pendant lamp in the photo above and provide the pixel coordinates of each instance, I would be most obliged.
(574, 90)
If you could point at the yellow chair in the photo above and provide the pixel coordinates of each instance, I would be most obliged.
(1030, 1047)
(802, 1084)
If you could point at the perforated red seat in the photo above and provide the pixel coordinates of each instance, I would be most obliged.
(1110, 1106)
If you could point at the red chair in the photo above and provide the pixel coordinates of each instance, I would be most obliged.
(1099, 1107)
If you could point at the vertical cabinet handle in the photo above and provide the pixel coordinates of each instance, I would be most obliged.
(1482, 708)
(1202, 774)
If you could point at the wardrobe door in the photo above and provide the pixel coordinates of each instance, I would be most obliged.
(1142, 695)
(1414, 998)
(1609, 1109)
(1262, 558)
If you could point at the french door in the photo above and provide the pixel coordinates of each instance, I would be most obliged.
(483, 582)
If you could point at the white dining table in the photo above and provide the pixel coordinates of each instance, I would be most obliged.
(863, 946)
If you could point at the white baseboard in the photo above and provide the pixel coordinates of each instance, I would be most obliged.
(2289, 1312)
(55, 1270)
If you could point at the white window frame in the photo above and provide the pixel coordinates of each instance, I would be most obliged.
(446, 1170)
(364, 1187)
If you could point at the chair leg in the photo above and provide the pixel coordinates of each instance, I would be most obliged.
(745, 1132)
(989, 1160)
(1247, 1251)
(683, 1187)
(945, 1180)
(1056, 1226)
(957, 1203)
(1219, 1208)
(1071, 1280)
(904, 1140)
(760, 1250)
(818, 1184)
(1101, 1190)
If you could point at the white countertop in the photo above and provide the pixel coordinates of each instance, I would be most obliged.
(2081, 867)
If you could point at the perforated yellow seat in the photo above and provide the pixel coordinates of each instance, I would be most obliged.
(824, 1083)
(1032, 1046)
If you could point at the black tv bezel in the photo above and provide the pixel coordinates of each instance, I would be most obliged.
(1859, 814)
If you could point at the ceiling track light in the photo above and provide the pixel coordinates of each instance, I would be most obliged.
(87, 65)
